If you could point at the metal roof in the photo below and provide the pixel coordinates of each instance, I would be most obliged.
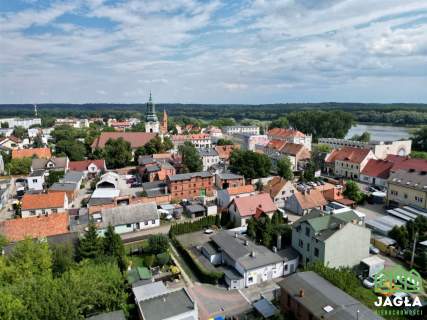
(265, 308)
(150, 290)
(129, 214)
(188, 176)
(73, 176)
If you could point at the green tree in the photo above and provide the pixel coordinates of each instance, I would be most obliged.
(191, 160)
(158, 243)
(118, 153)
(419, 139)
(250, 164)
(223, 122)
(281, 122)
(251, 228)
(38, 142)
(224, 142)
(364, 137)
(53, 177)
(140, 127)
(353, 192)
(400, 234)
(90, 245)
(309, 171)
(163, 258)
(419, 155)
(113, 247)
(62, 258)
(19, 166)
(20, 132)
(284, 168)
(155, 145)
(73, 149)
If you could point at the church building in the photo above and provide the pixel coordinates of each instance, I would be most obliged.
(152, 123)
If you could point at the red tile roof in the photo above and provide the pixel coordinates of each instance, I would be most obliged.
(310, 200)
(276, 144)
(35, 227)
(285, 133)
(43, 201)
(401, 162)
(294, 149)
(84, 164)
(136, 139)
(242, 189)
(248, 206)
(377, 168)
(354, 155)
(275, 185)
(33, 152)
(224, 152)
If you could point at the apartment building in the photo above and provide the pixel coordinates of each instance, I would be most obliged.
(407, 187)
(190, 185)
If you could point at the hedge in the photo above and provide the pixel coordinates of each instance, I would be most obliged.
(201, 272)
(193, 226)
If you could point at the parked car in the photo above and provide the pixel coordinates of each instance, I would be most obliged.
(374, 250)
(208, 231)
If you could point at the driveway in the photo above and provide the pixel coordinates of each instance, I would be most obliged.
(213, 301)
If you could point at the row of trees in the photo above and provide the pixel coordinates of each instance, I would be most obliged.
(193, 226)
(250, 164)
(41, 281)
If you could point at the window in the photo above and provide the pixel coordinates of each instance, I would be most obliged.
(316, 252)
(54, 210)
(153, 221)
(298, 229)
(300, 243)
(32, 212)
(307, 231)
(34, 180)
(418, 199)
(128, 225)
(250, 279)
(146, 223)
(393, 192)
(405, 196)
(286, 267)
(308, 247)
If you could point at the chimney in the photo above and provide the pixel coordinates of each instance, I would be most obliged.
(340, 226)
(236, 235)
(274, 249)
(246, 242)
(253, 253)
(301, 293)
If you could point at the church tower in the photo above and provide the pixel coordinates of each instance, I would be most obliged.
(164, 127)
(151, 122)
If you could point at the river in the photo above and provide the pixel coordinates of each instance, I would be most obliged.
(382, 133)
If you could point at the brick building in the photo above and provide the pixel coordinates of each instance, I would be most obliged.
(190, 185)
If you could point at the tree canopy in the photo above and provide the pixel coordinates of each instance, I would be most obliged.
(118, 153)
(284, 168)
(419, 139)
(281, 122)
(250, 164)
(191, 160)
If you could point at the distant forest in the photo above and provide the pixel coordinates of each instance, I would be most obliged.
(398, 113)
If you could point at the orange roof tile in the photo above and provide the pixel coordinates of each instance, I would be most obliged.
(250, 205)
(33, 152)
(275, 185)
(349, 154)
(136, 139)
(35, 227)
(224, 152)
(43, 201)
(309, 200)
(377, 168)
(276, 144)
(285, 133)
(242, 189)
(84, 164)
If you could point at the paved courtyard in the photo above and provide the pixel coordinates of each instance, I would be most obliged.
(372, 211)
(213, 301)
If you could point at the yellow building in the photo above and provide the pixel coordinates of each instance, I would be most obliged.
(407, 187)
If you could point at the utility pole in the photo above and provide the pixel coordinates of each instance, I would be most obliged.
(413, 249)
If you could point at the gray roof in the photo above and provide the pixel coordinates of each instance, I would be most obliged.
(319, 293)
(229, 175)
(60, 186)
(60, 163)
(210, 248)
(115, 315)
(155, 188)
(246, 253)
(142, 160)
(265, 308)
(99, 201)
(133, 213)
(37, 173)
(153, 168)
(149, 290)
(193, 208)
(167, 305)
(208, 152)
(73, 176)
(188, 176)
(409, 178)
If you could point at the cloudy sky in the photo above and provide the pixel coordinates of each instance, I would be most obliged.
(213, 51)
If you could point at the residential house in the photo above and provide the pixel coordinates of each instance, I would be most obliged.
(244, 208)
(72, 122)
(376, 172)
(90, 168)
(10, 143)
(214, 132)
(250, 142)
(42, 153)
(133, 217)
(331, 192)
(290, 135)
(229, 180)
(302, 202)
(230, 130)
(136, 139)
(210, 158)
(51, 164)
(297, 153)
(111, 180)
(70, 184)
(43, 204)
(336, 240)
(280, 190)
(225, 196)
(381, 149)
(190, 185)
(407, 163)
(309, 296)
(245, 263)
(407, 187)
(348, 162)
(35, 180)
(224, 152)
(152, 169)
(35, 227)
(156, 302)
(199, 140)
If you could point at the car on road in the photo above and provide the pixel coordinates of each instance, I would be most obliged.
(374, 250)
